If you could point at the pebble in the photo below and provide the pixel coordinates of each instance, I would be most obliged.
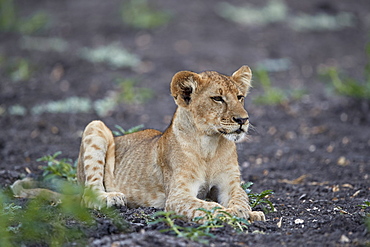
(298, 221)
(344, 239)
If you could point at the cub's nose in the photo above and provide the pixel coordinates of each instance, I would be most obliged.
(240, 120)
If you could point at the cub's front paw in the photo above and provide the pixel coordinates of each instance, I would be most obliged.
(115, 199)
(246, 213)
(103, 199)
(256, 216)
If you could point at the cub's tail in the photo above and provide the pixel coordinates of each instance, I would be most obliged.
(29, 188)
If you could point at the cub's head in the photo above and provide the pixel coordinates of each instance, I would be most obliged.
(214, 101)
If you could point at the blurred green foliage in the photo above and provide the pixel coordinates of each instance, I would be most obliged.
(33, 24)
(112, 54)
(141, 14)
(105, 106)
(44, 44)
(10, 21)
(69, 105)
(129, 93)
(16, 68)
(273, 95)
(17, 110)
(321, 22)
(348, 86)
(39, 221)
(20, 69)
(8, 17)
(278, 11)
(274, 11)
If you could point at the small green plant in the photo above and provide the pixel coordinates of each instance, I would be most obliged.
(273, 95)
(215, 218)
(365, 205)
(121, 131)
(212, 219)
(192, 233)
(259, 199)
(141, 14)
(131, 94)
(58, 168)
(209, 218)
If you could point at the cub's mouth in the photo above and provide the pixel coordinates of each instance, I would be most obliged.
(232, 130)
(238, 131)
(235, 134)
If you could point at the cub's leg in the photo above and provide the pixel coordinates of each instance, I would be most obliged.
(182, 199)
(233, 197)
(96, 164)
(238, 203)
(182, 196)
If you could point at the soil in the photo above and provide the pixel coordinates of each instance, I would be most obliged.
(314, 153)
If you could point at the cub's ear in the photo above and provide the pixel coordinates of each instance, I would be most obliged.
(243, 77)
(183, 84)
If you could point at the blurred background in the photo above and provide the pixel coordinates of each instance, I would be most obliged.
(65, 63)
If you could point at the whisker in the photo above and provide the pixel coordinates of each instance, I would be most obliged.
(253, 129)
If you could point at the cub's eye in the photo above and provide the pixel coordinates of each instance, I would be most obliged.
(240, 97)
(217, 98)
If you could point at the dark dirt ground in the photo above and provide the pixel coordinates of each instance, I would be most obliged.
(322, 139)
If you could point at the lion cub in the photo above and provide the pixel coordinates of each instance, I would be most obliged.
(193, 159)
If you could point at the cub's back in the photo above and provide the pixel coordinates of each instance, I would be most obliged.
(136, 172)
(138, 145)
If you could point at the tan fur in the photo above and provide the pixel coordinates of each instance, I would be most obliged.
(193, 159)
